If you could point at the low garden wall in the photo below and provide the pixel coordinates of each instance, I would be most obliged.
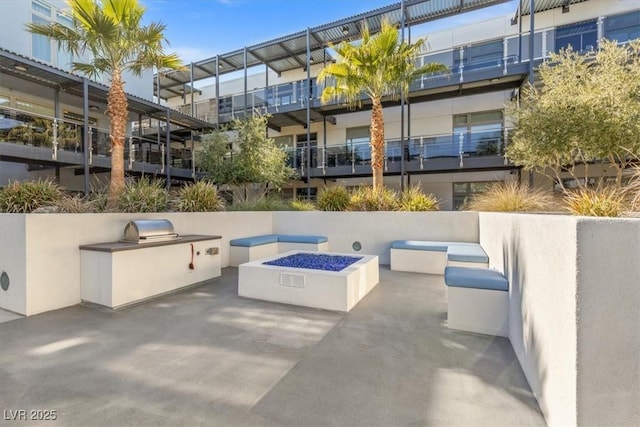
(376, 230)
(40, 252)
(574, 311)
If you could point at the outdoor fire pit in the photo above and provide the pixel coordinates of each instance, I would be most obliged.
(322, 280)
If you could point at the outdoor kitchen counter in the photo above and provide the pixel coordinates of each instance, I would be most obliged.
(118, 274)
(128, 246)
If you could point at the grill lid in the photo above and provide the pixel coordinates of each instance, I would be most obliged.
(142, 230)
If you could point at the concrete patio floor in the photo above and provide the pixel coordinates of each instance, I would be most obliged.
(208, 357)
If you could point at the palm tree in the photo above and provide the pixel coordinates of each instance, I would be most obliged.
(110, 31)
(377, 66)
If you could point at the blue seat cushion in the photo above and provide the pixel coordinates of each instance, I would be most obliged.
(477, 278)
(248, 242)
(300, 238)
(419, 245)
(467, 253)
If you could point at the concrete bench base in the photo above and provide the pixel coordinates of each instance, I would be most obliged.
(428, 262)
(478, 310)
(257, 247)
(477, 300)
(433, 257)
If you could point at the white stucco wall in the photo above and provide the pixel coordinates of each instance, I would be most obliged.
(376, 230)
(537, 253)
(13, 262)
(608, 298)
(45, 271)
(574, 310)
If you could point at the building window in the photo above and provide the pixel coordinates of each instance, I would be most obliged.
(623, 28)
(41, 8)
(40, 45)
(479, 134)
(462, 191)
(301, 193)
(64, 58)
(582, 36)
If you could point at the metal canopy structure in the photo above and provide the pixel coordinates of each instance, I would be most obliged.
(21, 67)
(290, 52)
(542, 5)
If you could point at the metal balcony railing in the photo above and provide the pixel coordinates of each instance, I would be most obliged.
(55, 134)
(418, 150)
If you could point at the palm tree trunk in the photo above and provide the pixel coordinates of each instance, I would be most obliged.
(117, 111)
(377, 143)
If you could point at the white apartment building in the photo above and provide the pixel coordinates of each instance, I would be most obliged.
(449, 137)
(455, 129)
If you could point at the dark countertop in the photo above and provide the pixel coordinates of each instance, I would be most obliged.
(128, 246)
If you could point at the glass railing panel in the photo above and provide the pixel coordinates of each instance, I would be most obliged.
(26, 128)
(100, 142)
(441, 146)
(337, 156)
(486, 143)
(393, 151)
(70, 137)
(360, 153)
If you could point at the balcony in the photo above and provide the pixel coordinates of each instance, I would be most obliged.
(452, 151)
(31, 137)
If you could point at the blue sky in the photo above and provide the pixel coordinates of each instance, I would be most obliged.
(199, 29)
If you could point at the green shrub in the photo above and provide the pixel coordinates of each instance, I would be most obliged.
(144, 195)
(200, 196)
(511, 197)
(366, 198)
(98, 198)
(602, 201)
(269, 203)
(413, 199)
(76, 204)
(27, 196)
(335, 198)
(302, 205)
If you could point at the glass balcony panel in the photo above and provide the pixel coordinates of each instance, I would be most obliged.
(393, 151)
(25, 128)
(101, 142)
(70, 137)
(441, 146)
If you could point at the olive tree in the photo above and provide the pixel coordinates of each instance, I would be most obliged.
(242, 155)
(586, 109)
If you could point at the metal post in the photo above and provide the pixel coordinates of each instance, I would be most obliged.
(266, 88)
(56, 118)
(245, 82)
(531, 56)
(408, 100)
(308, 114)
(402, 103)
(193, 107)
(218, 90)
(168, 150)
(531, 37)
(324, 145)
(520, 32)
(85, 132)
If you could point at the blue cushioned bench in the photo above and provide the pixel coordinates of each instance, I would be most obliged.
(432, 257)
(477, 300)
(247, 249)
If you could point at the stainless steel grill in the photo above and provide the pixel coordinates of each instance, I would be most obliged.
(149, 230)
